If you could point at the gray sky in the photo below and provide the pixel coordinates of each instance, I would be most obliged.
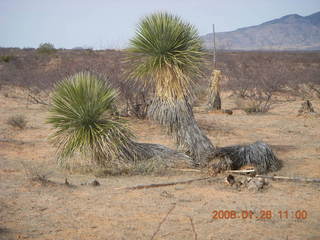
(110, 23)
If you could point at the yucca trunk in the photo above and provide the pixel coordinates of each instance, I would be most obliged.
(214, 101)
(177, 116)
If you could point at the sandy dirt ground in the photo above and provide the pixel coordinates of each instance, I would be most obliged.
(55, 211)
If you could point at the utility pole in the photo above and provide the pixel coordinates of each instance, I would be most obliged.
(214, 46)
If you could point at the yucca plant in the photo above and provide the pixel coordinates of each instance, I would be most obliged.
(86, 128)
(167, 51)
(81, 113)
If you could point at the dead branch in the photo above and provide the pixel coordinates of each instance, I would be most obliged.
(241, 171)
(162, 184)
(162, 221)
(193, 228)
(293, 179)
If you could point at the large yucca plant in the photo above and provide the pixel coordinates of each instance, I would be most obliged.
(167, 51)
(81, 113)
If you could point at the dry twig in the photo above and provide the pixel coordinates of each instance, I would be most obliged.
(162, 221)
(193, 228)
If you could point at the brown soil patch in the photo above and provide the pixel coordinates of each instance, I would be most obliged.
(55, 211)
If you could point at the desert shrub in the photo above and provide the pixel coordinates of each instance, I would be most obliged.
(6, 58)
(253, 102)
(18, 121)
(259, 102)
(46, 48)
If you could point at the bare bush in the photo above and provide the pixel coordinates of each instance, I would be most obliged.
(257, 77)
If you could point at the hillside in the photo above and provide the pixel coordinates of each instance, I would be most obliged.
(291, 32)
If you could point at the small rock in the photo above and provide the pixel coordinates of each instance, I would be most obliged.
(256, 184)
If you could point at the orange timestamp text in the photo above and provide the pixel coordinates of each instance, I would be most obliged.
(261, 214)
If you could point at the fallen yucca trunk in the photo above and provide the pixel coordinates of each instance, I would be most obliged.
(214, 102)
(257, 155)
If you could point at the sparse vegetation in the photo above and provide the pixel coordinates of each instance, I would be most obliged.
(17, 121)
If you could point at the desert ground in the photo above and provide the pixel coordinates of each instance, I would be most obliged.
(53, 210)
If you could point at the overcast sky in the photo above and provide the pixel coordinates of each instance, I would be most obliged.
(111, 23)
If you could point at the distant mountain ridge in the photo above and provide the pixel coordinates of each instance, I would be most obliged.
(290, 32)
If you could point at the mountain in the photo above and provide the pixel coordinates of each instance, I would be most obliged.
(291, 32)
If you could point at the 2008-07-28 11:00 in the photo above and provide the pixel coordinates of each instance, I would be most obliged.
(262, 214)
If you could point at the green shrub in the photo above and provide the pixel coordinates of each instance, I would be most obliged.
(6, 58)
(46, 48)
(18, 121)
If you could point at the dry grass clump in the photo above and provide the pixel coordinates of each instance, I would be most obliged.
(18, 121)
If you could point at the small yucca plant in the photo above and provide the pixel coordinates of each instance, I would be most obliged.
(81, 113)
